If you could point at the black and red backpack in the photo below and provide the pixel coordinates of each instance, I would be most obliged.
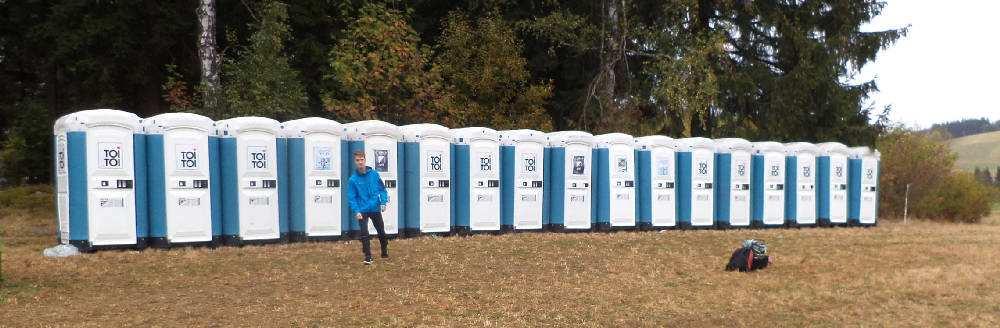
(751, 256)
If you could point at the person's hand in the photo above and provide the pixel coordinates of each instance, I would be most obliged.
(358, 216)
(382, 207)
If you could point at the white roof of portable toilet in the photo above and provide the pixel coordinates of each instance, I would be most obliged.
(236, 125)
(862, 151)
(416, 132)
(795, 148)
(688, 144)
(654, 141)
(300, 127)
(563, 138)
(79, 121)
(768, 146)
(606, 140)
(465, 136)
(357, 130)
(170, 121)
(827, 148)
(510, 137)
(728, 145)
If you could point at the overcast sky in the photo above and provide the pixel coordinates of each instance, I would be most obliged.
(946, 68)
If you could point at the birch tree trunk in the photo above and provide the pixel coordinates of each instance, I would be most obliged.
(207, 54)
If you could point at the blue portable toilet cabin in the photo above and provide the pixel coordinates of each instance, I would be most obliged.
(428, 171)
(100, 178)
(252, 162)
(185, 194)
(382, 144)
(832, 184)
(863, 166)
(800, 184)
(768, 184)
(318, 167)
(616, 199)
(477, 179)
(657, 182)
(569, 159)
(522, 176)
(732, 176)
(696, 180)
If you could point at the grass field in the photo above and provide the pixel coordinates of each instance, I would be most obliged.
(978, 150)
(918, 274)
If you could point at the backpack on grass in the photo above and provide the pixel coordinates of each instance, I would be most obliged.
(749, 257)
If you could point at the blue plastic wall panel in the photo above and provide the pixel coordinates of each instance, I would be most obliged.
(507, 187)
(723, 189)
(296, 185)
(823, 188)
(215, 183)
(230, 187)
(346, 167)
(411, 186)
(546, 187)
(854, 190)
(593, 189)
(55, 188)
(139, 169)
(353, 225)
(602, 187)
(557, 212)
(157, 186)
(461, 168)
(644, 170)
(791, 189)
(282, 150)
(757, 189)
(638, 193)
(684, 188)
(401, 180)
(76, 153)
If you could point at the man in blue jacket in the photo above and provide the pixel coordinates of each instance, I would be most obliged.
(367, 197)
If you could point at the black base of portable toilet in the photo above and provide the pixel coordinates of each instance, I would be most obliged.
(86, 247)
(827, 223)
(164, 243)
(301, 237)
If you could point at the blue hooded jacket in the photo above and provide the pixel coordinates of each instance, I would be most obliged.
(365, 192)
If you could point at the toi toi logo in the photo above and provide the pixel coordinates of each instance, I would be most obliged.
(257, 157)
(111, 154)
(188, 159)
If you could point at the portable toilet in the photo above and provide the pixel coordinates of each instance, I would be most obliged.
(185, 194)
(100, 176)
(696, 179)
(657, 182)
(477, 179)
(615, 183)
(427, 189)
(382, 144)
(568, 161)
(832, 185)
(522, 160)
(768, 186)
(863, 167)
(252, 162)
(732, 176)
(800, 179)
(318, 168)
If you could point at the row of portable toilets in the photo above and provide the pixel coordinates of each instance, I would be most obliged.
(181, 179)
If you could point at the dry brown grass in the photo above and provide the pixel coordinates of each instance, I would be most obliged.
(918, 274)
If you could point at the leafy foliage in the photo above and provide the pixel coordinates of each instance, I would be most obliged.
(937, 190)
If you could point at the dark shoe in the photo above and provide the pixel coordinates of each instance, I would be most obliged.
(385, 255)
(368, 261)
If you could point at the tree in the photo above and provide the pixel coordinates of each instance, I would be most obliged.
(379, 70)
(259, 80)
(207, 54)
(486, 77)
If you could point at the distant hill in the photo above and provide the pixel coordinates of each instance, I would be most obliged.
(978, 150)
(967, 127)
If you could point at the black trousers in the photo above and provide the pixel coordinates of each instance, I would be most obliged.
(365, 237)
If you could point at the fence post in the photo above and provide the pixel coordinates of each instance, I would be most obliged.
(906, 203)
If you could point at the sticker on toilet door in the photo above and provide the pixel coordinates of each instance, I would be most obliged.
(187, 157)
(382, 160)
(322, 158)
(110, 155)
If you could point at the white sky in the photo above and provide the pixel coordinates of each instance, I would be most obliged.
(947, 67)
